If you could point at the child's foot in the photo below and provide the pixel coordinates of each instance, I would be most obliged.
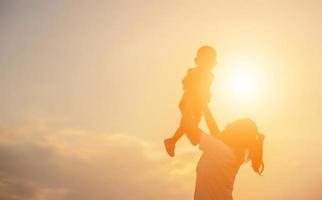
(169, 146)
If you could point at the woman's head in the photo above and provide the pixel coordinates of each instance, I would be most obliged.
(242, 135)
(206, 57)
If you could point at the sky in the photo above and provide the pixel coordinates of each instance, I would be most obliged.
(89, 90)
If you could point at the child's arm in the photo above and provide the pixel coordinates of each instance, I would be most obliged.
(210, 121)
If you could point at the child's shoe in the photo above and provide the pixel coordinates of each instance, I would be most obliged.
(169, 146)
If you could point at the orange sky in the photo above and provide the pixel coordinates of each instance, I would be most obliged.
(88, 90)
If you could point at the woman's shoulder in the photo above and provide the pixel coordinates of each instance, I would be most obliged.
(214, 145)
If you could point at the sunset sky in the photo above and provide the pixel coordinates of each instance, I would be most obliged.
(89, 90)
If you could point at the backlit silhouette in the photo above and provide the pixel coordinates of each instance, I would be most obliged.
(196, 86)
(223, 152)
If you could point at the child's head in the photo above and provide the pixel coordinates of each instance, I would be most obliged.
(206, 57)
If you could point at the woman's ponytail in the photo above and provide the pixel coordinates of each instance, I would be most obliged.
(255, 154)
(243, 136)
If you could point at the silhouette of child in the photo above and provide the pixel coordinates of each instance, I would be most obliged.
(196, 86)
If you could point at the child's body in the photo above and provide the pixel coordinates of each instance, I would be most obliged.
(196, 86)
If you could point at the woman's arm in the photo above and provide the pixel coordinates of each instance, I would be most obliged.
(210, 121)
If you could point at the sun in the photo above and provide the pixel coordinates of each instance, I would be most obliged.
(244, 85)
(243, 82)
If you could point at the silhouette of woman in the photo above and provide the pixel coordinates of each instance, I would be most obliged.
(223, 154)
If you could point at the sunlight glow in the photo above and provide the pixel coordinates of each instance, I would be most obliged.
(243, 83)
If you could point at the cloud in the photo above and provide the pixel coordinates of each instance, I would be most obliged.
(44, 163)
(39, 162)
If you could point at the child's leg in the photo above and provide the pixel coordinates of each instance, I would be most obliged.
(177, 135)
(193, 133)
(170, 143)
(188, 124)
